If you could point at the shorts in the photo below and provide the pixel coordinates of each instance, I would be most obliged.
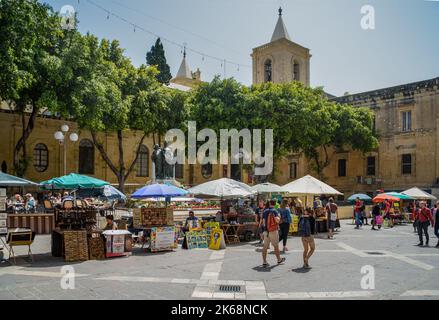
(271, 237)
(331, 224)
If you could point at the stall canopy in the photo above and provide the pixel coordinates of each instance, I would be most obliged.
(6, 180)
(159, 190)
(223, 188)
(361, 196)
(383, 196)
(401, 196)
(175, 199)
(107, 191)
(419, 194)
(309, 185)
(268, 187)
(73, 181)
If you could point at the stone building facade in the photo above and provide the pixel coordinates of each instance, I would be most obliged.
(406, 117)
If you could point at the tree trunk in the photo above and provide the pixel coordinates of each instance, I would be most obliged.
(105, 156)
(121, 173)
(121, 161)
(20, 168)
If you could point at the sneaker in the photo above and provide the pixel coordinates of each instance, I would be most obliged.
(281, 261)
(265, 265)
(420, 244)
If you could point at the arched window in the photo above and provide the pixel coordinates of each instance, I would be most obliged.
(41, 157)
(296, 71)
(86, 157)
(206, 170)
(268, 74)
(143, 162)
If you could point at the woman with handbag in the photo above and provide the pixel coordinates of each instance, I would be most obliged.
(332, 210)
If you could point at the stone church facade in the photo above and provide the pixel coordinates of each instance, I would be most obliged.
(406, 117)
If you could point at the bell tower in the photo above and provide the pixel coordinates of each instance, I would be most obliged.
(281, 60)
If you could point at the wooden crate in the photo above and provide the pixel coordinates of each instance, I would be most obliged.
(75, 245)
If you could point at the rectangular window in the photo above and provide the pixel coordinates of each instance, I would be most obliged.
(370, 166)
(406, 121)
(342, 168)
(293, 170)
(406, 163)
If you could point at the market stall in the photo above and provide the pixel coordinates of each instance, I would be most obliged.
(236, 219)
(309, 187)
(155, 224)
(77, 235)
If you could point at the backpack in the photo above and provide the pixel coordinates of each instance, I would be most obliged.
(272, 224)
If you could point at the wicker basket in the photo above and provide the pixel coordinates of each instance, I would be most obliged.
(75, 245)
(96, 246)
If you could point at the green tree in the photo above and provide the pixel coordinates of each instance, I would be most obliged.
(109, 95)
(156, 57)
(30, 40)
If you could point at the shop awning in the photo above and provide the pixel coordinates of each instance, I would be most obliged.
(308, 185)
(7, 180)
(73, 181)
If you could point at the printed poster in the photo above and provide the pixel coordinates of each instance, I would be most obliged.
(163, 239)
(217, 239)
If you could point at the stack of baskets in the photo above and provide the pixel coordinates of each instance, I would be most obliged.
(75, 245)
(96, 246)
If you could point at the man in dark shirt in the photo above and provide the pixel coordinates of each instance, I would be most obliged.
(436, 222)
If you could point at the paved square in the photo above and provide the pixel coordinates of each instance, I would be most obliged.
(402, 271)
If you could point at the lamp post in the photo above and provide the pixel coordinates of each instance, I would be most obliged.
(60, 136)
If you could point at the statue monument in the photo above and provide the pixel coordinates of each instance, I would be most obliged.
(162, 159)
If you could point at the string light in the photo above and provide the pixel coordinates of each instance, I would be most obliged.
(203, 55)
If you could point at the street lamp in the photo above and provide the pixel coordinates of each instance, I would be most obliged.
(60, 137)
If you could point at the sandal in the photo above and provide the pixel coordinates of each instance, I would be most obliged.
(265, 265)
(281, 261)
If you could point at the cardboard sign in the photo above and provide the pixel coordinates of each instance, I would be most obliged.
(294, 226)
(217, 239)
(163, 239)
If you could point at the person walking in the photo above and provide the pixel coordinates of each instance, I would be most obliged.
(436, 222)
(357, 213)
(285, 222)
(424, 219)
(363, 214)
(376, 214)
(306, 231)
(259, 213)
(270, 222)
(332, 211)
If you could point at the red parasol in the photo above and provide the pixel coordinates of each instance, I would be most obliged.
(382, 196)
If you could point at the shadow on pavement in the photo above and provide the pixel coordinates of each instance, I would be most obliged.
(301, 270)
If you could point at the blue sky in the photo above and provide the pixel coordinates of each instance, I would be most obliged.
(403, 48)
